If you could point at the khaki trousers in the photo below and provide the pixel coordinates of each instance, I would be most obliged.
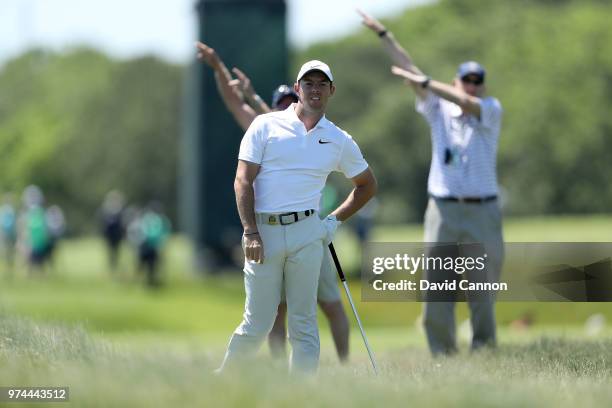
(293, 255)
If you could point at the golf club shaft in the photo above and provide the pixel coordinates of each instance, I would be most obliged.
(350, 298)
(363, 335)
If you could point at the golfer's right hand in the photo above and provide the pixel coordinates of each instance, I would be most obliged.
(253, 248)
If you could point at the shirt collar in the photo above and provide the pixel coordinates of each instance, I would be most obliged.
(322, 123)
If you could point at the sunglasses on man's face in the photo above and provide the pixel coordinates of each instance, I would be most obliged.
(473, 80)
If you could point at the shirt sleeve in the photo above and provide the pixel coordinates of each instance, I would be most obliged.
(351, 161)
(253, 143)
(429, 106)
(490, 113)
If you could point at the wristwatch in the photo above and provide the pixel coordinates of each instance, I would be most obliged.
(425, 83)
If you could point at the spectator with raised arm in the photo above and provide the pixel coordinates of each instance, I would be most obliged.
(463, 207)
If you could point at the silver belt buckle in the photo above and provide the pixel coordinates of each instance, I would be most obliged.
(295, 218)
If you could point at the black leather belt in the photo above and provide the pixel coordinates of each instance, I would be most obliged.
(470, 200)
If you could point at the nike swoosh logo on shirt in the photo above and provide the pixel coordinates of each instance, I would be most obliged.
(321, 141)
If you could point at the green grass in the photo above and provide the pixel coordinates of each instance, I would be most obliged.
(118, 344)
(80, 289)
(592, 228)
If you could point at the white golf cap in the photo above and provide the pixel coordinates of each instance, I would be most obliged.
(315, 65)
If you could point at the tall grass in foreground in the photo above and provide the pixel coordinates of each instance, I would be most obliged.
(545, 372)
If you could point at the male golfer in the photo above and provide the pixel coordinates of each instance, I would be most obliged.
(462, 185)
(284, 160)
(244, 113)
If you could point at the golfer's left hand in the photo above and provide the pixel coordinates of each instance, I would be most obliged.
(331, 225)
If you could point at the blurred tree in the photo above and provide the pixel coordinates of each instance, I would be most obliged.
(127, 137)
(79, 123)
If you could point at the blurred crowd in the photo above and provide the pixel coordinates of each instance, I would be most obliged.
(31, 230)
(146, 229)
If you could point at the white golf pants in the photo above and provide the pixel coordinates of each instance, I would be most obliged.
(293, 255)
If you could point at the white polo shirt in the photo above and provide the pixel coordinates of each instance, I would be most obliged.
(464, 148)
(295, 163)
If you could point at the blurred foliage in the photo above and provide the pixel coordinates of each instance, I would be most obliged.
(80, 123)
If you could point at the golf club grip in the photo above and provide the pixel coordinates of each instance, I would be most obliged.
(336, 262)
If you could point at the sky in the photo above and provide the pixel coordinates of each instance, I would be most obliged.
(167, 27)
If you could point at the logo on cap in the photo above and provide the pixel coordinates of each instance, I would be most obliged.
(315, 65)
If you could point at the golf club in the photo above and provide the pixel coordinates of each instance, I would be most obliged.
(348, 295)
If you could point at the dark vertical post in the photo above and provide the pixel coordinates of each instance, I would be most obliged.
(248, 34)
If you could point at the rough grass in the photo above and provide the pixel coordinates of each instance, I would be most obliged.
(115, 343)
(544, 372)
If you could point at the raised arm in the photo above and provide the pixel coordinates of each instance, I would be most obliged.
(422, 83)
(242, 112)
(398, 54)
(245, 85)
